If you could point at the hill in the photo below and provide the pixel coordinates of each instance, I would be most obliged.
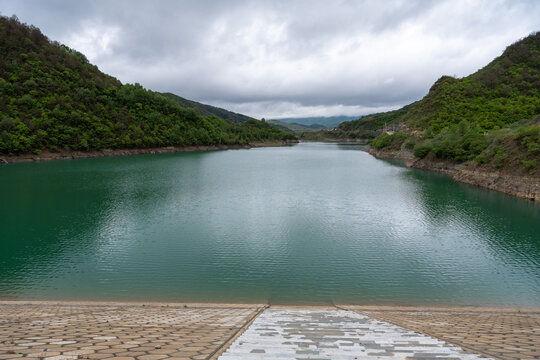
(208, 110)
(52, 98)
(295, 128)
(489, 119)
(503, 92)
(367, 127)
(326, 121)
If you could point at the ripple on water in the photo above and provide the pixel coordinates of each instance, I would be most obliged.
(313, 223)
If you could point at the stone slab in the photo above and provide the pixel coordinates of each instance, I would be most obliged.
(335, 334)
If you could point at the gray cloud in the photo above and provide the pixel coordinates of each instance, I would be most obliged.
(285, 58)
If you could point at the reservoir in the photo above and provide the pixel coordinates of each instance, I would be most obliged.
(313, 223)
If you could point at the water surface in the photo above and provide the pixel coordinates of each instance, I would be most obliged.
(311, 223)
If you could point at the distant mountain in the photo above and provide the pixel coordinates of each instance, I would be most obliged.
(208, 110)
(367, 127)
(52, 98)
(329, 122)
(373, 122)
(295, 127)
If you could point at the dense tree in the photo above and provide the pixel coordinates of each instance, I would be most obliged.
(52, 98)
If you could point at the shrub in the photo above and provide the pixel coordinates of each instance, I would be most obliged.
(529, 137)
(500, 157)
(410, 145)
(482, 159)
(529, 164)
(459, 142)
(393, 141)
(421, 151)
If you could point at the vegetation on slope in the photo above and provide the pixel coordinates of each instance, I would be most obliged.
(294, 127)
(367, 127)
(489, 117)
(325, 121)
(208, 110)
(503, 92)
(52, 98)
(512, 147)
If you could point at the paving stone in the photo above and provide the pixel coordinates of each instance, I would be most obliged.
(499, 333)
(334, 334)
(99, 356)
(151, 357)
(66, 331)
(43, 354)
(102, 331)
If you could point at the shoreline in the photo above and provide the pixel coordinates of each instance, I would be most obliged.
(70, 155)
(338, 141)
(524, 187)
(221, 305)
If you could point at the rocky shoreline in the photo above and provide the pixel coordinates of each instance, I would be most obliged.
(66, 155)
(521, 186)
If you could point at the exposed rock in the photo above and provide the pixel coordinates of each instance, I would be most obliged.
(522, 186)
(526, 187)
(403, 153)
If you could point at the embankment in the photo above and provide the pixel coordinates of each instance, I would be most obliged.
(67, 154)
(522, 186)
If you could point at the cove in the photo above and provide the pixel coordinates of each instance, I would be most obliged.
(313, 223)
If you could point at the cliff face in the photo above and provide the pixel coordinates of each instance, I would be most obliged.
(525, 187)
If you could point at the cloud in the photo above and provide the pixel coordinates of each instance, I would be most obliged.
(286, 58)
(96, 39)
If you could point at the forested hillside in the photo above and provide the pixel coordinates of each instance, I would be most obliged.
(52, 98)
(326, 121)
(503, 92)
(294, 127)
(490, 118)
(208, 110)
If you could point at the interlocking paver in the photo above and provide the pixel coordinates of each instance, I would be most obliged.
(102, 331)
(334, 334)
(500, 333)
(126, 331)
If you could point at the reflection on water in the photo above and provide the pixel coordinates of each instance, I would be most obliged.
(305, 224)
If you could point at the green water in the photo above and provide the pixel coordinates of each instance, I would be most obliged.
(311, 223)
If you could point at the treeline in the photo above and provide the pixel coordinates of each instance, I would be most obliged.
(52, 98)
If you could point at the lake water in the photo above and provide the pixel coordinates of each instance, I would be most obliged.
(306, 224)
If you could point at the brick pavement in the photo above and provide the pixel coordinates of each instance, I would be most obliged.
(200, 331)
(498, 333)
(333, 334)
(145, 332)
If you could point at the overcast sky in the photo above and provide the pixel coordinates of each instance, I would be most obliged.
(285, 58)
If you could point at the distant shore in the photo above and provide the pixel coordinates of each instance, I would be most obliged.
(330, 140)
(68, 154)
